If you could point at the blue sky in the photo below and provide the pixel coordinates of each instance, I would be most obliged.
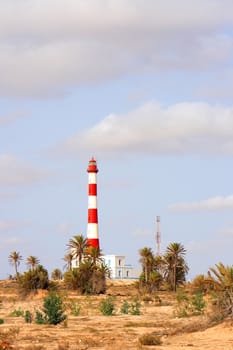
(145, 88)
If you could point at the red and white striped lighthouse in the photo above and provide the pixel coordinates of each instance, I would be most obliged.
(92, 226)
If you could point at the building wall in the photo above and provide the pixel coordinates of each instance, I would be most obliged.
(119, 269)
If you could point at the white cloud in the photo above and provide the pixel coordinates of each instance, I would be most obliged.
(214, 203)
(6, 226)
(184, 128)
(11, 117)
(142, 233)
(65, 228)
(8, 195)
(53, 45)
(14, 171)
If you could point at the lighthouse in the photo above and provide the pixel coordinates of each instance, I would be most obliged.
(92, 226)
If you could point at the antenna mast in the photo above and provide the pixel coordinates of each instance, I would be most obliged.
(158, 235)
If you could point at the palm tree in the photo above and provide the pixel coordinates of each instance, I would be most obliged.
(56, 274)
(176, 267)
(220, 279)
(78, 246)
(94, 254)
(32, 262)
(147, 261)
(14, 259)
(68, 258)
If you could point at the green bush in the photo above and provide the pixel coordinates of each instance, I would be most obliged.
(28, 316)
(75, 309)
(33, 280)
(87, 278)
(39, 319)
(198, 303)
(1, 321)
(53, 309)
(135, 307)
(107, 306)
(17, 313)
(125, 307)
(187, 306)
(131, 308)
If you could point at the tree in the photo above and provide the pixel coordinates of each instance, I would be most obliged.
(221, 276)
(14, 259)
(94, 254)
(68, 259)
(32, 262)
(78, 246)
(53, 310)
(220, 279)
(175, 265)
(56, 274)
(147, 261)
(87, 278)
(32, 280)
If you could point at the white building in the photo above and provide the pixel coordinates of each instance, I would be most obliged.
(118, 267)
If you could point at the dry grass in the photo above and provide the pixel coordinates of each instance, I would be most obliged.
(93, 331)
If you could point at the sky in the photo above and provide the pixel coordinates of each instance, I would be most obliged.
(145, 87)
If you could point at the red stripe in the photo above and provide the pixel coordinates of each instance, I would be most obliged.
(93, 242)
(92, 189)
(92, 216)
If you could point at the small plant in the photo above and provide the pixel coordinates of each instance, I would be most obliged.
(131, 308)
(28, 316)
(75, 309)
(198, 303)
(1, 321)
(39, 318)
(53, 311)
(17, 313)
(107, 306)
(189, 306)
(135, 307)
(150, 339)
(125, 307)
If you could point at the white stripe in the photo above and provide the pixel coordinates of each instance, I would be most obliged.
(92, 202)
(92, 178)
(92, 231)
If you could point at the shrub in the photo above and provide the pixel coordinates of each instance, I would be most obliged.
(17, 313)
(131, 308)
(198, 303)
(125, 307)
(53, 309)
(33, 280)
(87, 278)
(1, 321)
(75, 309)
(150, 339)
(135, 307)
(39, 318)
(56, 274)
(189, 306)
(107, 306)
(28, 316)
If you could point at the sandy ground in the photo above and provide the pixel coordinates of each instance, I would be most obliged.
(91, 330)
